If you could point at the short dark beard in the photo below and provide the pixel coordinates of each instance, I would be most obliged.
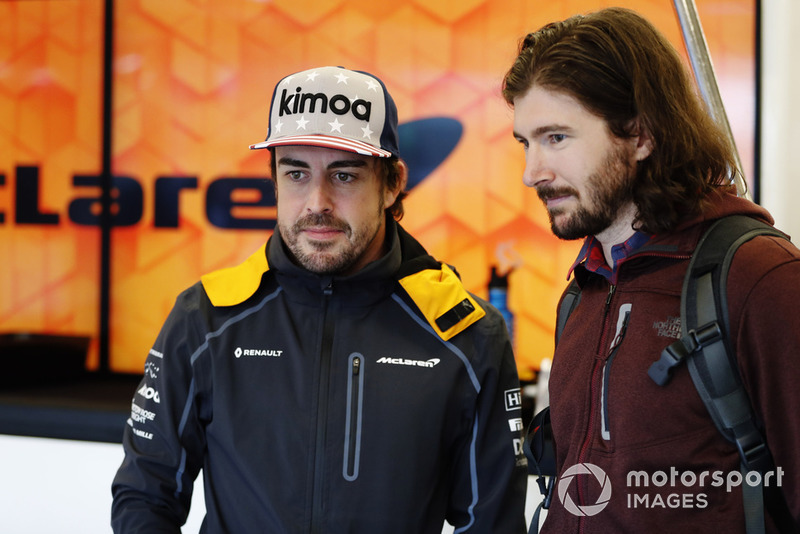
(610, 188)
(318, 262)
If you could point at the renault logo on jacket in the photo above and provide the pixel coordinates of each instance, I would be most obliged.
(239, 352)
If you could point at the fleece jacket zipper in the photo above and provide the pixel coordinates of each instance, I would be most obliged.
(622, 327)
(593, 410)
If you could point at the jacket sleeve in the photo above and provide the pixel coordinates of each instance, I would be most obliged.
(163, 440)
(491, 470)
(767, 340)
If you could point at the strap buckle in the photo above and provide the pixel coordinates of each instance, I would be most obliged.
(754, 452)
(661, 370)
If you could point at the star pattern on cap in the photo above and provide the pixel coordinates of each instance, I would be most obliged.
(318, 102)
(336, 126)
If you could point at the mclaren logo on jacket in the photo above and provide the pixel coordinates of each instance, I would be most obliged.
(412, 363)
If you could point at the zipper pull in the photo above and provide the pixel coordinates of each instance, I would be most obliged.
(356, 366)
(611, 289)
(622, 326)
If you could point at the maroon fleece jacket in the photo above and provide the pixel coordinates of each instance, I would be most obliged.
(668, 467)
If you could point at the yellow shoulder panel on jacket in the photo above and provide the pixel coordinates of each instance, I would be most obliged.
(442, 299)
(234, 285)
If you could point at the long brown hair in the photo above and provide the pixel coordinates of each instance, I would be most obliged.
(622, 69)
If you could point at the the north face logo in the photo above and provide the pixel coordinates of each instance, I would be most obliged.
(671, 327)
(338, 104)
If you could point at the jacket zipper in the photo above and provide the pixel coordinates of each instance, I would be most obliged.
(318, 503)
(622, 327)
(598, 366)
(593, 386)
(355, 400)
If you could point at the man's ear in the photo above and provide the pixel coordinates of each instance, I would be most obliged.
(644, 142)
(390, 195)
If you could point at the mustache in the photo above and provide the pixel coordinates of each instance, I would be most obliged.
(314, 220)
(546, 192)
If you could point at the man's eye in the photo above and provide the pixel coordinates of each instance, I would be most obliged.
(343, 177)
(557, 138)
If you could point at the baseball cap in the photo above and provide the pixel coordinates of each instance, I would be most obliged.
(333, 107)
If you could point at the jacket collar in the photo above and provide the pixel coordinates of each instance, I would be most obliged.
(681, 242)
(368, 285)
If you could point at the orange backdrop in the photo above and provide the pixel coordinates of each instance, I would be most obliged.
(192, 83)
(50, 127)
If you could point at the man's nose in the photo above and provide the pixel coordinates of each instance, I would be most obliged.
(537, 170)
(319, 198)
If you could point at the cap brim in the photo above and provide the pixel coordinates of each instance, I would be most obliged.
(326, 141)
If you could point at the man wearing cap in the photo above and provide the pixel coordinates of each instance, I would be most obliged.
(340, 379)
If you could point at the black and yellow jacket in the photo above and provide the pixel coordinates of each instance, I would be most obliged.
(384, 402)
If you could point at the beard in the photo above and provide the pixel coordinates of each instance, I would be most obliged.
(333, 256)
(608, 189)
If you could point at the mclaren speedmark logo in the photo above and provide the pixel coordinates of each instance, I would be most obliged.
(412, 363)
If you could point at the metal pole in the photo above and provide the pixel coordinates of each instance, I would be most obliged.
(704, 74)
(106, 178)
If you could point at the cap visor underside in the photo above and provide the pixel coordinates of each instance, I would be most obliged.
(324, 141)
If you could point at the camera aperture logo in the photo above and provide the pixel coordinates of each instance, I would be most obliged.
(661, 489)
(602, 499)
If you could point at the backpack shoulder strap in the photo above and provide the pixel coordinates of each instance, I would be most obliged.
(704, 306)
(704, 329)
(570, 299)
(712, 365)
(538, 445)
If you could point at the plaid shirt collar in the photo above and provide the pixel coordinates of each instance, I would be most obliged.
(591, 255)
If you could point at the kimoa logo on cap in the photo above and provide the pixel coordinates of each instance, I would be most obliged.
(332, 107)
(339, 104)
